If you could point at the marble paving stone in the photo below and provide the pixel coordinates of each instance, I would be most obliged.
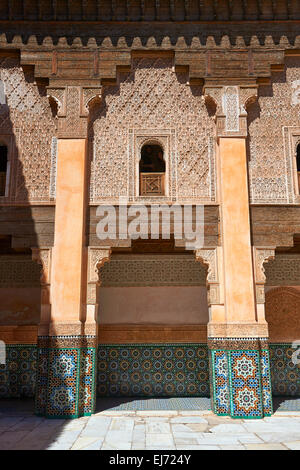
(271, 437)
(217, 439)
(122, 424)
(292, 445)
(118, 438)
(186, 439)
(188, 419)
(87, 442)
(164, 413)
(157, 428)
(261, 426)
(160, 440)
(116, 446)
(114, 413)
(265, 447)
(190, 427)
(232, 447)
(198, 447)
(9, 422)
(228, 428)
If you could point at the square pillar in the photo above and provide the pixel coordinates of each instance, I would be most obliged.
(237, 331)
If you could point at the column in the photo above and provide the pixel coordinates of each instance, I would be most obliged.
(67, 342)
(237, 338)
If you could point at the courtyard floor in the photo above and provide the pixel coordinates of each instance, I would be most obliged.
(116, 427)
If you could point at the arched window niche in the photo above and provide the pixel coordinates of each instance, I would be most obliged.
(298, 164)
(3, 169)
(152, 169)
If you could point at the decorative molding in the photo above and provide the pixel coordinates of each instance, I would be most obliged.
(52, 189)
(96, 258)
(261, 256)
(231, 102)
(43, 257)
(73, 108)
(208, 257)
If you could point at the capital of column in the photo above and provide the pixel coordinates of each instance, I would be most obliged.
(208, 257)
(97, 257)
(261, 255)
(231, 102)
(73, 103)
(43, 257)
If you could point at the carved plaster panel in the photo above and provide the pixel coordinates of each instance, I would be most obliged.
(28, 117)
(283, 270)
(96, 258)
(262, 255)
(152, 270)
(19, 271)
(152, 96)
(270, 165)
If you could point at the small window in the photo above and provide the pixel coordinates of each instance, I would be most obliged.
(3, 169)
(298, 165)
(152, 171)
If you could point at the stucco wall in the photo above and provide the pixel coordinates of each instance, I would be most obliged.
(164, 305)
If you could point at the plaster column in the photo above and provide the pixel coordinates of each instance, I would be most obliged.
(237, 339)
(67, 350)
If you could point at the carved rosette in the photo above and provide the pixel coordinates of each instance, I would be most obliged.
(96, 258)
(231, 107)
(73, 103)
(208, 257)
(261, 256)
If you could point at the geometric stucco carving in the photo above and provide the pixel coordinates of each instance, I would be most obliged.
(96, 258)
(283, 314)
(27, 117)
(231, 103)
(261, 256)
(208, 257)
(152, 270)
(73, 108)
(272, 122)
(153, 97)
(283, 270)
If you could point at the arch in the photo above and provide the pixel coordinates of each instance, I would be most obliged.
(152, 168)
(283, 314)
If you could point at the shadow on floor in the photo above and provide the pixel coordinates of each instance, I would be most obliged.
(286, 404)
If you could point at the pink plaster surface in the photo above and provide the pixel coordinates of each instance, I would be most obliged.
(20, 306)
(160, 305)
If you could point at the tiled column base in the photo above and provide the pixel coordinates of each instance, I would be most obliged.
(66, 375)
(240, 377)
